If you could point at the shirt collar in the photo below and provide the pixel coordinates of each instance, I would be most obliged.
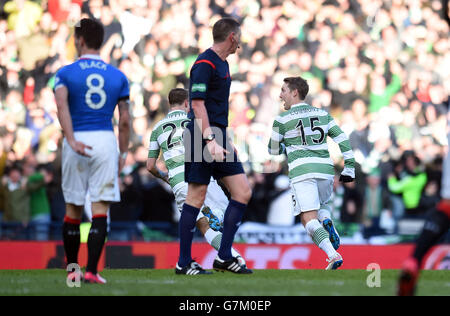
(90, 56)
(299, 105)
(174, 111)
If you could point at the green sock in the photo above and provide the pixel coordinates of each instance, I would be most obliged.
(320, 237)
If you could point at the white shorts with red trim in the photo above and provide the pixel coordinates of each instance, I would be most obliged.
(97, 174)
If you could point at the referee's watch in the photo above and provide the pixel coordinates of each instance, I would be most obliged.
(209, 138)
(123, 155)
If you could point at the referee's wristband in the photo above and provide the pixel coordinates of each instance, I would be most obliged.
(123, 155)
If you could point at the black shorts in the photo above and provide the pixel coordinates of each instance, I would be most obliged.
(199, 166)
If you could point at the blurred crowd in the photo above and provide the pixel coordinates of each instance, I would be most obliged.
(379, 67)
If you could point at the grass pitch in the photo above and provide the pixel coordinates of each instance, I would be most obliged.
(260, 283)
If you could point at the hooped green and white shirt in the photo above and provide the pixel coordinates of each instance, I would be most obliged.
(303, 131)
(167, 135)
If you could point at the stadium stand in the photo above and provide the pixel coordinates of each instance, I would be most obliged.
(380, 68)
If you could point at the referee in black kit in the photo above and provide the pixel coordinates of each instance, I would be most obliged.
(209, 152)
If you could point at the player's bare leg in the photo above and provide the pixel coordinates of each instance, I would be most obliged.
(321, 238)
(203, 225)
(96, 241)
(239, 187)
(196, 195)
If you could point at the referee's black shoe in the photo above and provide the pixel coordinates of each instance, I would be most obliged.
(193, 268)
(231, 265)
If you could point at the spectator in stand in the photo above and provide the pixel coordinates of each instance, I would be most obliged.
(409, 183)
(373, 203)
(23, 16)
(2, 170)
(382, 92)
(16, 198)
(37, 180)
(54, 191)
(36, 120)
(352, 204)
(385, 63)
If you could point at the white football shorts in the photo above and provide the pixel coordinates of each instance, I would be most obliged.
(215, 199)
(97, 174)
(310, 194)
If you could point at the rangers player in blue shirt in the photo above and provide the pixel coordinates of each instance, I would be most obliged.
(87, 92)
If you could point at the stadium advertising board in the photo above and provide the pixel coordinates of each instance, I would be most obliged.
(161, 255)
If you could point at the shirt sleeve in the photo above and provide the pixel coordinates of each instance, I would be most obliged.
(201, 74)
(275, 144)
(339, 137)
(153, 151)
(60, 79)
(125, 91)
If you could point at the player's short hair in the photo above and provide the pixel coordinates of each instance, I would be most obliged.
(223, 28)
(177, 96)
(299, 84)
(91, 31)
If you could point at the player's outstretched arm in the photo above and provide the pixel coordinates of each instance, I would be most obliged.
(61, 97)
(124, 131)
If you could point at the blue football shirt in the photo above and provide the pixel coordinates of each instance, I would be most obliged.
(94, 88)
(210, 80)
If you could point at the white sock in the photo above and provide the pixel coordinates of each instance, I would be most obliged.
(323, 214)
(320, 237)
(210, 237)
(326, 246)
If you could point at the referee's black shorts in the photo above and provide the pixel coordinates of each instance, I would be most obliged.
(199, 166)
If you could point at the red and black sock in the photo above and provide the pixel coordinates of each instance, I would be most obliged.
(436, 225)
(71, 239)
(444, 207)
(96, 241)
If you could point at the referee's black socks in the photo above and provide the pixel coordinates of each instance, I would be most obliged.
(96, 241)
(231, 221)
(186, 229)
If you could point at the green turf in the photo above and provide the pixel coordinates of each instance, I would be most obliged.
(261, 283)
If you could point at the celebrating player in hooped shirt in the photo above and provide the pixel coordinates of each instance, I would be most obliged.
(302, 130)
(87, 92)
